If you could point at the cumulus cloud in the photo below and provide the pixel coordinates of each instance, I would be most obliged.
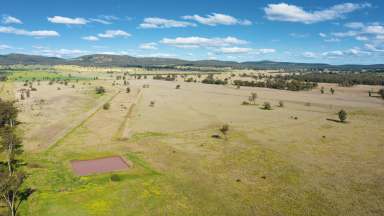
(114, 33)
(193, 42)
(217, 19)
(38, 33)
(148, 46)
(234, 50)
(90, 38)
(11, 20)
(293, 13)
(67, 20)
(156, 22)
(4, 46)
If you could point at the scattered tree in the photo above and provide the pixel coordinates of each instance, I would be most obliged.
(342, 115)
(252, 98)
(381, 93)
(332, 91)
(178, 87)
(224, 129)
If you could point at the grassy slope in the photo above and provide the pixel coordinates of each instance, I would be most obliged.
(264, 170)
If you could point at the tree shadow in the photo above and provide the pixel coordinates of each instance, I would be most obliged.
(336, 120)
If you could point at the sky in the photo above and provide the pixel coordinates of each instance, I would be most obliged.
(329, 31)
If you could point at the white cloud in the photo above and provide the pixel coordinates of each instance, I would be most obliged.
(62, 53)
(374, 48)
(354, 25)
(265, 51)
(148, 46)
(193, 42)
(105, 22)
(374, 29)
(156, 22)
(309, 55)
(321, 34)
(332, 40)
(293, 13)
(38, 33)
(217, 19)
(159, 55)
(67, 20)
(90, 38)
(11, 20)
(4, 46)
(361, 38)
(345, 34)
(234, 50)
(298, 35)
(114, 33)
(333, 54)
(349, 52)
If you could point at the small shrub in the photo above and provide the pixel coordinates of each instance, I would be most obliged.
(267, 106)
(115, 178)
(224, 129)
(281, 103)
(128, 90)
(245, 103)
(152, 103)
(100, 90)
(178, 87)
(106, 106)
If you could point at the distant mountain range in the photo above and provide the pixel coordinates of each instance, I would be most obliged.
(130, 61)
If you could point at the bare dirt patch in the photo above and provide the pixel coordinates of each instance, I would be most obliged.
(100, 165)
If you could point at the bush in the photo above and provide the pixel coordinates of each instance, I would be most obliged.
(106, 106)
(342, 115)
(281, 103)
(178, 87)
(267, 106)
(100, 90)
(245, 103)
(128, 90)
(224, 129)
(381, 93)
(152, 103)
(115, 178)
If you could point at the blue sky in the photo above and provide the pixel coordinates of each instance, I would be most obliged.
(336, 32)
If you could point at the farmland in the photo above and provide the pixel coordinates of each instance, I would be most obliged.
(295, 159)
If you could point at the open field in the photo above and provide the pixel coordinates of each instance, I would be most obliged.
(289, 160)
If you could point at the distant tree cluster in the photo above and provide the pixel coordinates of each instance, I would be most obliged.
(166, 78)
(292, 85)
(343, 79)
